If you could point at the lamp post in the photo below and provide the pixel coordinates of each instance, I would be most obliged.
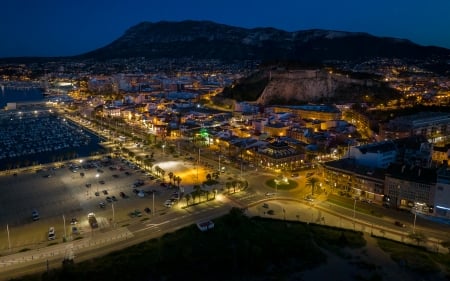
(64, 220)
(348, 145)
(198, 162)
(354, 213)
(276, 187)
(113, 217)
(96, 176)
(9, 240)
(219, 165)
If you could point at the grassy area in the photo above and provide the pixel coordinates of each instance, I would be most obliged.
(417, 258)
(238, 248)
(360, 207)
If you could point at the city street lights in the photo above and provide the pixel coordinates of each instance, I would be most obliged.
(415, 216)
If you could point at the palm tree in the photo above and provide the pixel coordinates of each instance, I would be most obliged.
(148, 164)
(157, 169)
(228, 186)
(312, 182)
(197, 189)
(178, 180)
(234, 183)
(170, 174)
(188, 198)
(139, 159)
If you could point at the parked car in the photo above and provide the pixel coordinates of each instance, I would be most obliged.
(270, 194)
(168, 204)
(135, 213)
(122, 194)
(73, 221)
(51, 233)
(102, 204)
(397, 223)
(147, 210)
(35, 215)
(75, 230)
(92, 220)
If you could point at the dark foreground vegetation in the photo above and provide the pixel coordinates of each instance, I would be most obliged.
(237, 248)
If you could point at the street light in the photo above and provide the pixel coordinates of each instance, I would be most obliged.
(96, 176)
(198, 162)
(9, 240)
(153, 204)
(354, 213)
(64, 220)
(276, 187)
(113, 218)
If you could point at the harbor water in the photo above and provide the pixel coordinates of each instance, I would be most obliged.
(22, 94)
(37, 136)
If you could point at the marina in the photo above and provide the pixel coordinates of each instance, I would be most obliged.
(41, 136)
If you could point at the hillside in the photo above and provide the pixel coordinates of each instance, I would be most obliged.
(307, 85)
(209, 40)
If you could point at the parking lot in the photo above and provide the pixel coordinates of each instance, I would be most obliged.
(76, 189)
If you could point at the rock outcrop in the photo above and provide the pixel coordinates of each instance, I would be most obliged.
(308, 86)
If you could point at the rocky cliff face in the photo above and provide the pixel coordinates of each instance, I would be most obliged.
(309, 86)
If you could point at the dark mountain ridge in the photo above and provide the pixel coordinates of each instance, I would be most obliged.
(209, 40)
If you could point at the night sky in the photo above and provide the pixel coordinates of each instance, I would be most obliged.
(68, 27)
